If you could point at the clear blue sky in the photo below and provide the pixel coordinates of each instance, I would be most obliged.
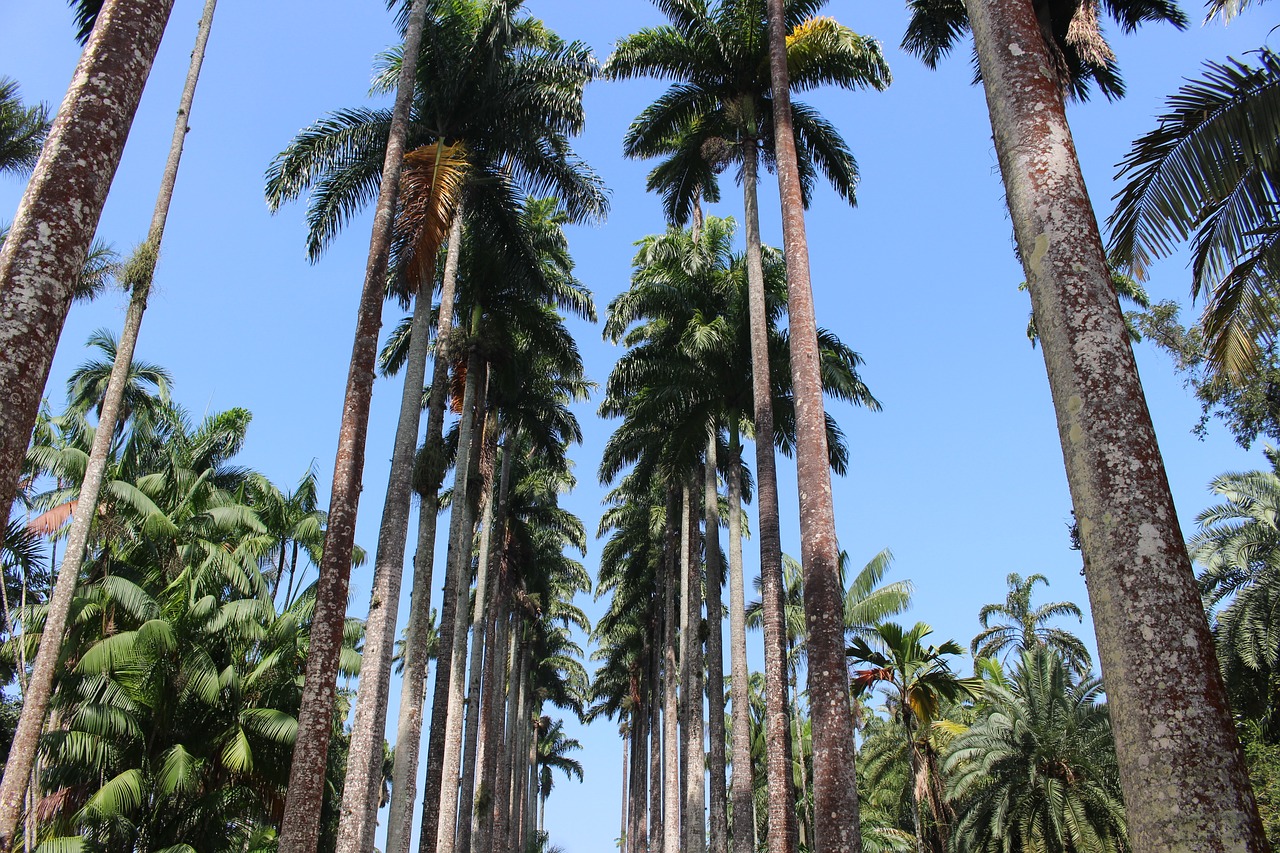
(961, 475)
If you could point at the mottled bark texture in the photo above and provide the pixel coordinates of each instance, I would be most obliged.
(358, 818)
(835, 785)
(1181, 769)
(653, 679)
(461, 542)
(781, 816)
(54, 225)
(39, 690)
(300, 826)
(743, 784)
(718, 828)
(691, 663)
(404, 773)
(670, 682)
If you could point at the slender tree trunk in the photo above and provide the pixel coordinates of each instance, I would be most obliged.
(835, 784)
(743, 790)
(781, 811)
(528, 812)
(102, 57)
(466, 794)
(300, 825)
(50, 238)
(1181, 769)
(718, 791)
(670, 706)
(505, 783)
(654, 678)
(803, 822)
(461, 543)
(691, 676)
(494, 670)
(640, 792)
(404, 773)
(624, 837)
(358, 818)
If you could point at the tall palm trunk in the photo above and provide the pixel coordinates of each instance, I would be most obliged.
(494, 670)
(300, 825)
(743, 790)
(624, 802)
(358, 818)
(638, 792)
(781, 814)
(36, 696)
(404, 772)
(452, 621)
(1181, 769)
(479, 619)
(718, 791)
(691, 680)
(50, 238)
(653, 680)
(835, 784)
(804, 823)
(529, 804)
(461, 540)
(670, 678)
(506, 787)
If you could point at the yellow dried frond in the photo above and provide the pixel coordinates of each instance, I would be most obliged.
(430, 186)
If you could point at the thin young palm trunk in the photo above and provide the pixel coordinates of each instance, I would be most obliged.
(653, 682)
(358, 818)
(718, 836)
(461, 542)
(781, 815)
(670, 679)
(691, 677)
(803, 823)
(835, 784)
(48, 242)
(743, 789)
(640, 785)
(519, 767)
(404, 773)
(36, 697)
(466, 794)
(624, 837)
(1181, 769)
(530, 805)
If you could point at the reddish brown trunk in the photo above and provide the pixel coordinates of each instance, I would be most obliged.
(781, 813)
(300, 826)
(504, 783)
(1181, 769)
(691, 684)
(835, 787)
(743, 784)
(51, 233)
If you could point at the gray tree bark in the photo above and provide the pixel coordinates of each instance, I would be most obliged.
(718, 840)
(503, 783)
(670, 679)
(358, 817)
(743, 788)
(1181, 769)
(466, 794)
(691, 681)
(653, 680)
(404, 773)
(835, 783)
(781, 813)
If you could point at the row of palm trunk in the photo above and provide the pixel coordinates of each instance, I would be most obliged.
(1171, 717)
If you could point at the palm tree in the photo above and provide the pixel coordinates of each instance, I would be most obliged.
(553, 754)
(22, 130)
(1238, 546)
(137, 274)
(1181, 186)
(1037, 771)
(719, 58)
(1026, 629)
(919, 682)
(52, 232)
(1130, 537)
(300, 825)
